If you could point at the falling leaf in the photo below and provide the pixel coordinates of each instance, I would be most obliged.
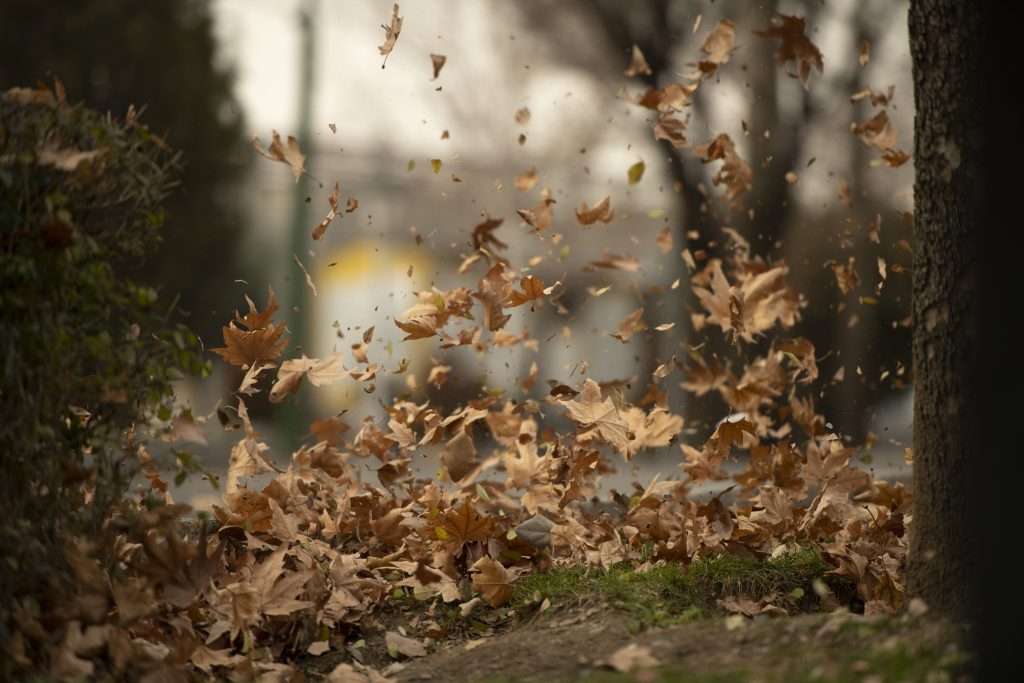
(539, 217)
(795, 46)
(671, 98)
(735, 173)
(262, 341)
(635, 173)
(632, 324)
(527, 181)
(717, 48)
(463, 525)
(435, 166)
(437, 61)
(602, 211)
(309, 280)
(286, 153)
(864, 55)
(522, 116)
(671, 129)
(390, 35)
(664, 240)
(638, 65)
(332, 200)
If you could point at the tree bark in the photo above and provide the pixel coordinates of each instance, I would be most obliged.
(944, 558)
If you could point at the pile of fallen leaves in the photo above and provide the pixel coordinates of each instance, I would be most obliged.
(295, 567)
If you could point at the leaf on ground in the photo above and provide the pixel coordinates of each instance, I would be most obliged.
(492, 581)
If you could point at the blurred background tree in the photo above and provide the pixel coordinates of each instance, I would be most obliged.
(163, 57)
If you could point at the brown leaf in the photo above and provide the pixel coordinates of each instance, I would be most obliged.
(795, 46)
(320, 229)
(398, 644)
(671, 129)
(522, 116)
(630, 325)
(735, 173)
(602, 211)
(437, 61)
(492, 581)
(391, 33)
(463, 524)
(638, 65)
(483, 233)
(289, 154)
(526, 181)
(718, 47)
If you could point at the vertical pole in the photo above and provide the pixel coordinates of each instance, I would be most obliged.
(295, 417)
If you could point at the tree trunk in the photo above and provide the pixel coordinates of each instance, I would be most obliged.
(943, 558)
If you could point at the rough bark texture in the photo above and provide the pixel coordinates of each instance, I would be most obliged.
(945, 51)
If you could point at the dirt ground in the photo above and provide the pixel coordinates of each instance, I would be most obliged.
(576, 643)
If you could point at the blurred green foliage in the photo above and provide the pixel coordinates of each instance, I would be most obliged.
(88, 355)
(162, 57)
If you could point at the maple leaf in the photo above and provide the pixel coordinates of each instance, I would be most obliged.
(602, 211)
(391, 35)
(492, 581)
(735, 173)
(532, 290)
(795, 46)
(285, 153)
(638, 65)
(598, 416)
(462, 525)
(245, 348)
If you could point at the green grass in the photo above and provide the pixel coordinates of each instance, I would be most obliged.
(673, 593)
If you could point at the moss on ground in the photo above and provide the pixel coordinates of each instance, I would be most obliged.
(674, 593)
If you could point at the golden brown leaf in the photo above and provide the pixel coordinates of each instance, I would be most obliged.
(391, 33)
(795, 46)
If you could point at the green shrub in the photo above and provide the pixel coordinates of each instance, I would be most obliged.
(88, 356)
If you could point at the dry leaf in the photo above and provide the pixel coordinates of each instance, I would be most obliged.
(602, 211)
(437, 61)
(638, 65)
(285, 153)
(391, 33)
(492, 581)
(795, 46)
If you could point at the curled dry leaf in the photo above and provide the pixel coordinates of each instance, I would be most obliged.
(522, 116)
(332, 200)
(717, 48)
(285, 153)
(735, 173)
(632, 657)
(602, 211)
(391, 33)
(398, 644)
(630, 325)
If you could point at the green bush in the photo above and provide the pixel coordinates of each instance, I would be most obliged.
(88, 356)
